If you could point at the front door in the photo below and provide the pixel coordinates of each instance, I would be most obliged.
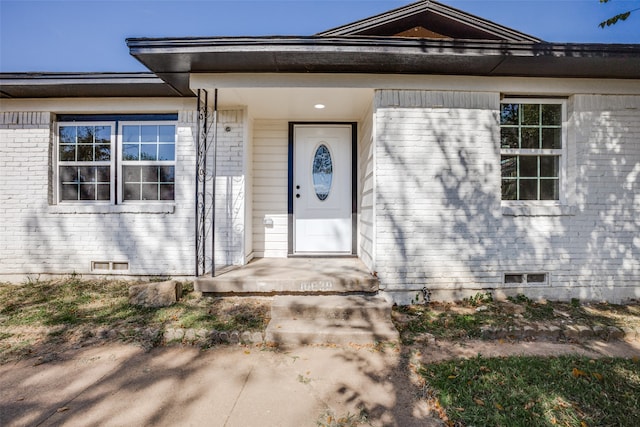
(322, 189)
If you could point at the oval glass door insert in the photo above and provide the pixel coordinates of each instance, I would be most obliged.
(322, 172)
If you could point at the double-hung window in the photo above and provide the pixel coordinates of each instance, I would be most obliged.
(531, 148)
(115, 162)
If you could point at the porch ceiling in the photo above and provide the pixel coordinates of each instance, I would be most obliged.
(298, 104)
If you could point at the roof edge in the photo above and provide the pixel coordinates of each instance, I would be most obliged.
(429, 5)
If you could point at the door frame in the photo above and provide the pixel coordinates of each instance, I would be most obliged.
(354, 184)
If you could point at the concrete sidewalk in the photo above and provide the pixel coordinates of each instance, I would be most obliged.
(118, 385)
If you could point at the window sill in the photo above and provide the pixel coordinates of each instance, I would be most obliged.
(158, 208)
(531, 209)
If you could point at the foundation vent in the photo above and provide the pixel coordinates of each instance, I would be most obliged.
(109, 265)
(526, 279)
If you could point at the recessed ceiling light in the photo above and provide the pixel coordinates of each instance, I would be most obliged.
(318, 106)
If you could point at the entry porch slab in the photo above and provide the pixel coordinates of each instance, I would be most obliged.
(293, 276)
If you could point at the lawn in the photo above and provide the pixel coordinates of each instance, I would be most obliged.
(535, 391)
(72, 309)
(464, 319)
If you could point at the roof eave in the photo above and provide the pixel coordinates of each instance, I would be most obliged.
(174, 59)
(83, 85)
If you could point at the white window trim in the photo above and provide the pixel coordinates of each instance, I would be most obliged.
(122, 162)
(541, 207)
(58, 164)
(111, 206)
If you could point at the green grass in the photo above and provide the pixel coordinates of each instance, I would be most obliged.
(465, 319)
(66, 306)
(536, 391)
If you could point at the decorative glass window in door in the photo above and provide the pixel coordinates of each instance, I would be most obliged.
(322, 172)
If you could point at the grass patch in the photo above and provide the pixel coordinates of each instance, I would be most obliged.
(536, 391)
(39, 310)
(465, 319)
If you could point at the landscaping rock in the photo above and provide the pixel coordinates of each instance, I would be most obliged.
(155, 294)
(615, 333)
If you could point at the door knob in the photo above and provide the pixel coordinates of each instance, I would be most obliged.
(297, 196)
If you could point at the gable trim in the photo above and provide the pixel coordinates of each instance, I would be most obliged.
(456, 16)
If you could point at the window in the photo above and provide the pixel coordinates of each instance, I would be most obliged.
(531, 141)
(111, 162)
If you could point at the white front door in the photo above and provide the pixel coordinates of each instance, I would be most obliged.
(322, 189)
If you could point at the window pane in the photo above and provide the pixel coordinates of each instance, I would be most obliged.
(166, 152)
(509, 138)
(85, 134)
(167, 192)
(150, 192)
(509, 165)
(552, 138)
(130, 152)
(530, 138)
(509, 114)
(67, 134)
(528, 189)
(87, 192)
(148, 152)
(69, 192)
(149, 133)
(103, 174)
(131, 192)
(131, 173)
(85, 153)
(549, 189)
(103, 134)
(167, 174)
(552, 114)
(150, 174)
(103, 153)
(87, 174)
(509, 189)
(529, 166)
(103, 192)
(130, 133)
(167, 133)
(68, 174)
(68, 153)
(549, 166)
(530, 114)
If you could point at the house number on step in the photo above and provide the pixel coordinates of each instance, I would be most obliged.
(316, 286)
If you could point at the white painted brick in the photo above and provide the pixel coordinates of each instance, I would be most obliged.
(439, 221)
(38, 238)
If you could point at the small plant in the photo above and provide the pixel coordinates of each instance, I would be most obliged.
(575, 303)
(520, 299)
(479, 299)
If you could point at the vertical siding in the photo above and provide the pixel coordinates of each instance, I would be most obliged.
(270, 171)
(366, 190)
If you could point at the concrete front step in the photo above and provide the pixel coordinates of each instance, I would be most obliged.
(291, 276)
(331, 307)
(299, 320)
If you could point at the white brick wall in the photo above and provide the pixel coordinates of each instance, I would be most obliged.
(39, 237)
(439, 221)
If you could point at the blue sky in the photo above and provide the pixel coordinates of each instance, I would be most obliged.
(89, 35)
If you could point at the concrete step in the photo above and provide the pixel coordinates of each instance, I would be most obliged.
(299, 320)
(331, 307)
(293, 276)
